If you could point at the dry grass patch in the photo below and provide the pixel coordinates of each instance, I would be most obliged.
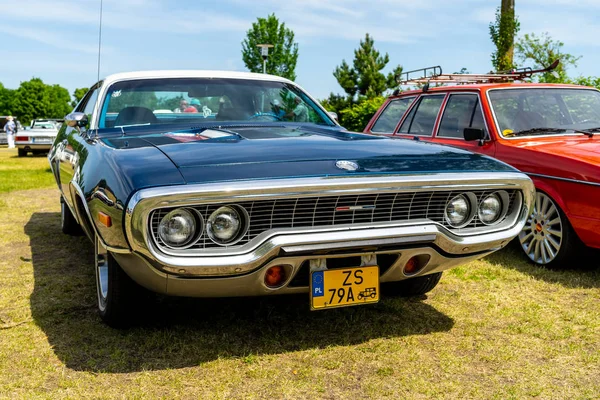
(496, 328)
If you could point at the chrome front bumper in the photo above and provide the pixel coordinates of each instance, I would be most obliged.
(253, 283)
(240, 271)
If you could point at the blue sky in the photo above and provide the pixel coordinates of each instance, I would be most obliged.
(58, 40)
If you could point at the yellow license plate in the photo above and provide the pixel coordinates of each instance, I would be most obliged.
(344, 287)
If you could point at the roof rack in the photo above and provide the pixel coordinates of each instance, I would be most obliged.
(434, 75)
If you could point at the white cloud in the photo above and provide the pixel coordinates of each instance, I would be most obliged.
(47, 37)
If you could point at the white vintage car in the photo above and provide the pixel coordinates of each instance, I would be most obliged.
(37, 139)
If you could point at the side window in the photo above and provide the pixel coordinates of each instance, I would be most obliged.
(462, 111)
(422, 118)
(91, 102)
(392, 114)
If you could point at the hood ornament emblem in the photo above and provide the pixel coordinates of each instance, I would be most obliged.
(346, 165)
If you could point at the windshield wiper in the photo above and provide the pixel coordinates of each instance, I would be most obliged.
(542, 131)
(591, 130)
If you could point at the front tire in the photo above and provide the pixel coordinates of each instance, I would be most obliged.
(118, 295)
(548, 239)
(415, 286)
(21, 153)
(68, 224)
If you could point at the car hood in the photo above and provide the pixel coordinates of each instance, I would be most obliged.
(577, 147)
(257, 152)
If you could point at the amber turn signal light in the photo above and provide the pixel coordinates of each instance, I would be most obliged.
(275, 276)
(104, 219)
(412, 266)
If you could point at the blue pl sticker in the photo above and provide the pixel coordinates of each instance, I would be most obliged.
(317, 284)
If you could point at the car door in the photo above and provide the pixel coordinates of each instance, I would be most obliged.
(390, 117)
(463, 110)
(68, 153)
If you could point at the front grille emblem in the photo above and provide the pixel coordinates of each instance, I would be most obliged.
(355, 208)
(346, 165)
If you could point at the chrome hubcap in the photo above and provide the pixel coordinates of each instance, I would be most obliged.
(541, 237)
(101, 261)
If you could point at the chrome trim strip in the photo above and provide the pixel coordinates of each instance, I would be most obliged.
(243, 260)
(359, 243)
(558, 178)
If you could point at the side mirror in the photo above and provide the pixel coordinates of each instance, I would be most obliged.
(471, 134)
(77, 120)
(333, 115)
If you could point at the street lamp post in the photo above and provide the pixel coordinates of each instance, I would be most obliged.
(264, 52)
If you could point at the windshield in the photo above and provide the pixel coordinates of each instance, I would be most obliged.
(206, 100)
(557, 109)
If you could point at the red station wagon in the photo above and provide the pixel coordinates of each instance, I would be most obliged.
(549, 131)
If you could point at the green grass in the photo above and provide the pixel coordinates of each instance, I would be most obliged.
(497, 328)
(21, 173)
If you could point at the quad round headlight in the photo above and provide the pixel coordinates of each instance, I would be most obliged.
(227, 225)
(179, 227)
(458, 211)
(490, 209)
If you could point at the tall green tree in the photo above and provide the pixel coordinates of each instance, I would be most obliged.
(6, 100)
(34, 99)
(282, 56)
(502, 32)
(365, 78)
(542, 51)
(78, 95)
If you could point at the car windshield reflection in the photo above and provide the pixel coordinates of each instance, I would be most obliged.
(556, 110)
(203, 100)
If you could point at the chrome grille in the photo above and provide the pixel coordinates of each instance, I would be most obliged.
(302, 212)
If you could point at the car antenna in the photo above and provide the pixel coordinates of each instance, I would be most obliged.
(99, 40)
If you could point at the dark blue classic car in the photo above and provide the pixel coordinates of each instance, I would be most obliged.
(193, 183)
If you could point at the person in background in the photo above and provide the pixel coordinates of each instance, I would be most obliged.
(300, 113)
(10, 129)
(194, 106)
(277, 110)
(183, 104)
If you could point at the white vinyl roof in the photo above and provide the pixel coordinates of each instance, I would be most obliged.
(125, 76)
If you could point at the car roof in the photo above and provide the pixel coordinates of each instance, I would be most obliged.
(486, 87)
(125, 76)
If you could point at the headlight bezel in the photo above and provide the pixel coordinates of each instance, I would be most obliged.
(471, 201)
(504, 200)
(244, 225)
(196, 235)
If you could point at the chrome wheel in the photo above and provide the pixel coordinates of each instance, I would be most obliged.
(542, 236)
(101, 264)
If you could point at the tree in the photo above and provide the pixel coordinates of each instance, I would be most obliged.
(543, 50)
(6, 100)
(78, 95)
(357, 116)
(503, 31)
(282, 56)
(587, 81)
(365, 78)
(34, 99)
